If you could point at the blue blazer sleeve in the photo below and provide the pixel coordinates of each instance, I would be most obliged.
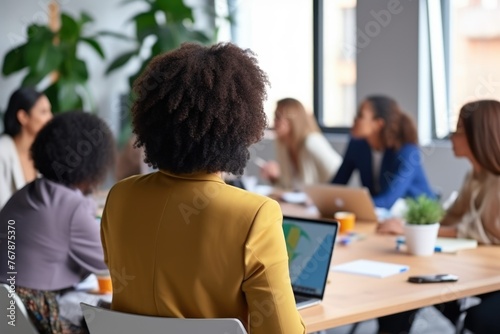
(402, 176)
(348, 165)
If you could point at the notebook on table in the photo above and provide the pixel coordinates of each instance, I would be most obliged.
(446, 245)
(310, 245)
(329, 199)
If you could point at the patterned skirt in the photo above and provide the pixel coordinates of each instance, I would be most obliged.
(43, 310)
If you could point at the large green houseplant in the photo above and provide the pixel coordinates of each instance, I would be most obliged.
(422, 225)
(169, 23)
(51, 56)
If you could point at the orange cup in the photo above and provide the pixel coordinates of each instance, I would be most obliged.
(347, 221)
(104, 281)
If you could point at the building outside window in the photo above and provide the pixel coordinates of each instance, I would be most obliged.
(474, 36)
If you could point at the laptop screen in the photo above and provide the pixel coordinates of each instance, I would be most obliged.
(310, 246)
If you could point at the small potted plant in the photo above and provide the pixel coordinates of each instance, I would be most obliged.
(422, 224)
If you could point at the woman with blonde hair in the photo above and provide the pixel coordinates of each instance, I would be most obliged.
(304, 156)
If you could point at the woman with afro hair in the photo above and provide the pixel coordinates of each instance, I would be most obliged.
(57, 240)
(195, 246)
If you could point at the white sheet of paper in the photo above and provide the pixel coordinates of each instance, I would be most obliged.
(371, 268)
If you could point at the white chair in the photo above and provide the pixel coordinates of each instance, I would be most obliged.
(22, 322)
(104, 321)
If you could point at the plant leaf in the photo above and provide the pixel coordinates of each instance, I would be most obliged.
(198, 36)
(145, 25)
(116, 35)
(31, 79)
(39, 33)
(13, 61)
(70, 31)
(42, 57)
(67, 96)
(52, 93)
(175, 10)
(95, 45)
(85, 18)
(120, 61)
(167, 40)
(79, 71)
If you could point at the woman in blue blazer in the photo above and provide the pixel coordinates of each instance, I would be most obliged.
(384, 149)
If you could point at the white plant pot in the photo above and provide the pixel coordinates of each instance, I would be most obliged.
(421, 239)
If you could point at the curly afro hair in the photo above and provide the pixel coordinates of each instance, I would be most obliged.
(199, 108)
(74, 148)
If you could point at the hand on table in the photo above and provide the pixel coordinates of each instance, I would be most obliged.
(390, 226)
(270, 171)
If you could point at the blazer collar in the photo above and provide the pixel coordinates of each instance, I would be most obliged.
(200, 176)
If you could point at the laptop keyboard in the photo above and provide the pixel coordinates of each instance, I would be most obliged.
(300, 299)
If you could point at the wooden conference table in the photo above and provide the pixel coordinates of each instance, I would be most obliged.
(351, 298)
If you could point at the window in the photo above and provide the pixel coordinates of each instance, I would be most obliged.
(280, 32)
(337, 62)
(474, 37)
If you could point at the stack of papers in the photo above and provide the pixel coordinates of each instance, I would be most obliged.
(371, 268)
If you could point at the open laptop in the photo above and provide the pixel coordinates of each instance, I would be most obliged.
(310, 247)
(330, 199)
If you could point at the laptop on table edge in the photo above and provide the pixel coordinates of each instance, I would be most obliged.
(310, 243)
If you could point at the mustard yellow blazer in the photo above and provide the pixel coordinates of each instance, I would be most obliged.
(190, 246)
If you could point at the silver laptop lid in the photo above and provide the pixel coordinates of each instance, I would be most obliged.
(329, 198)
(310, 245)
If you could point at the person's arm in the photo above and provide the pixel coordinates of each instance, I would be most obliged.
(267, 285)
(407, 164)
(347, 167)
(447, 232)
(483, 224)
(85, 242)
(326, 159)
(457, 210)
(390, 226)
(270, 171)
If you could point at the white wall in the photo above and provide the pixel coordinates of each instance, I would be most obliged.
(387, 43)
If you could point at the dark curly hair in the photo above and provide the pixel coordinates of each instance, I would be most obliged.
(74, 148)
(23, 98)
(399, 128)
(199, 108)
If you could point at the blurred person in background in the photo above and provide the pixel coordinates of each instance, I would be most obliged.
(475, 214)
(304, 155)
(384, 150)
(27, 112)
(57, 235)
